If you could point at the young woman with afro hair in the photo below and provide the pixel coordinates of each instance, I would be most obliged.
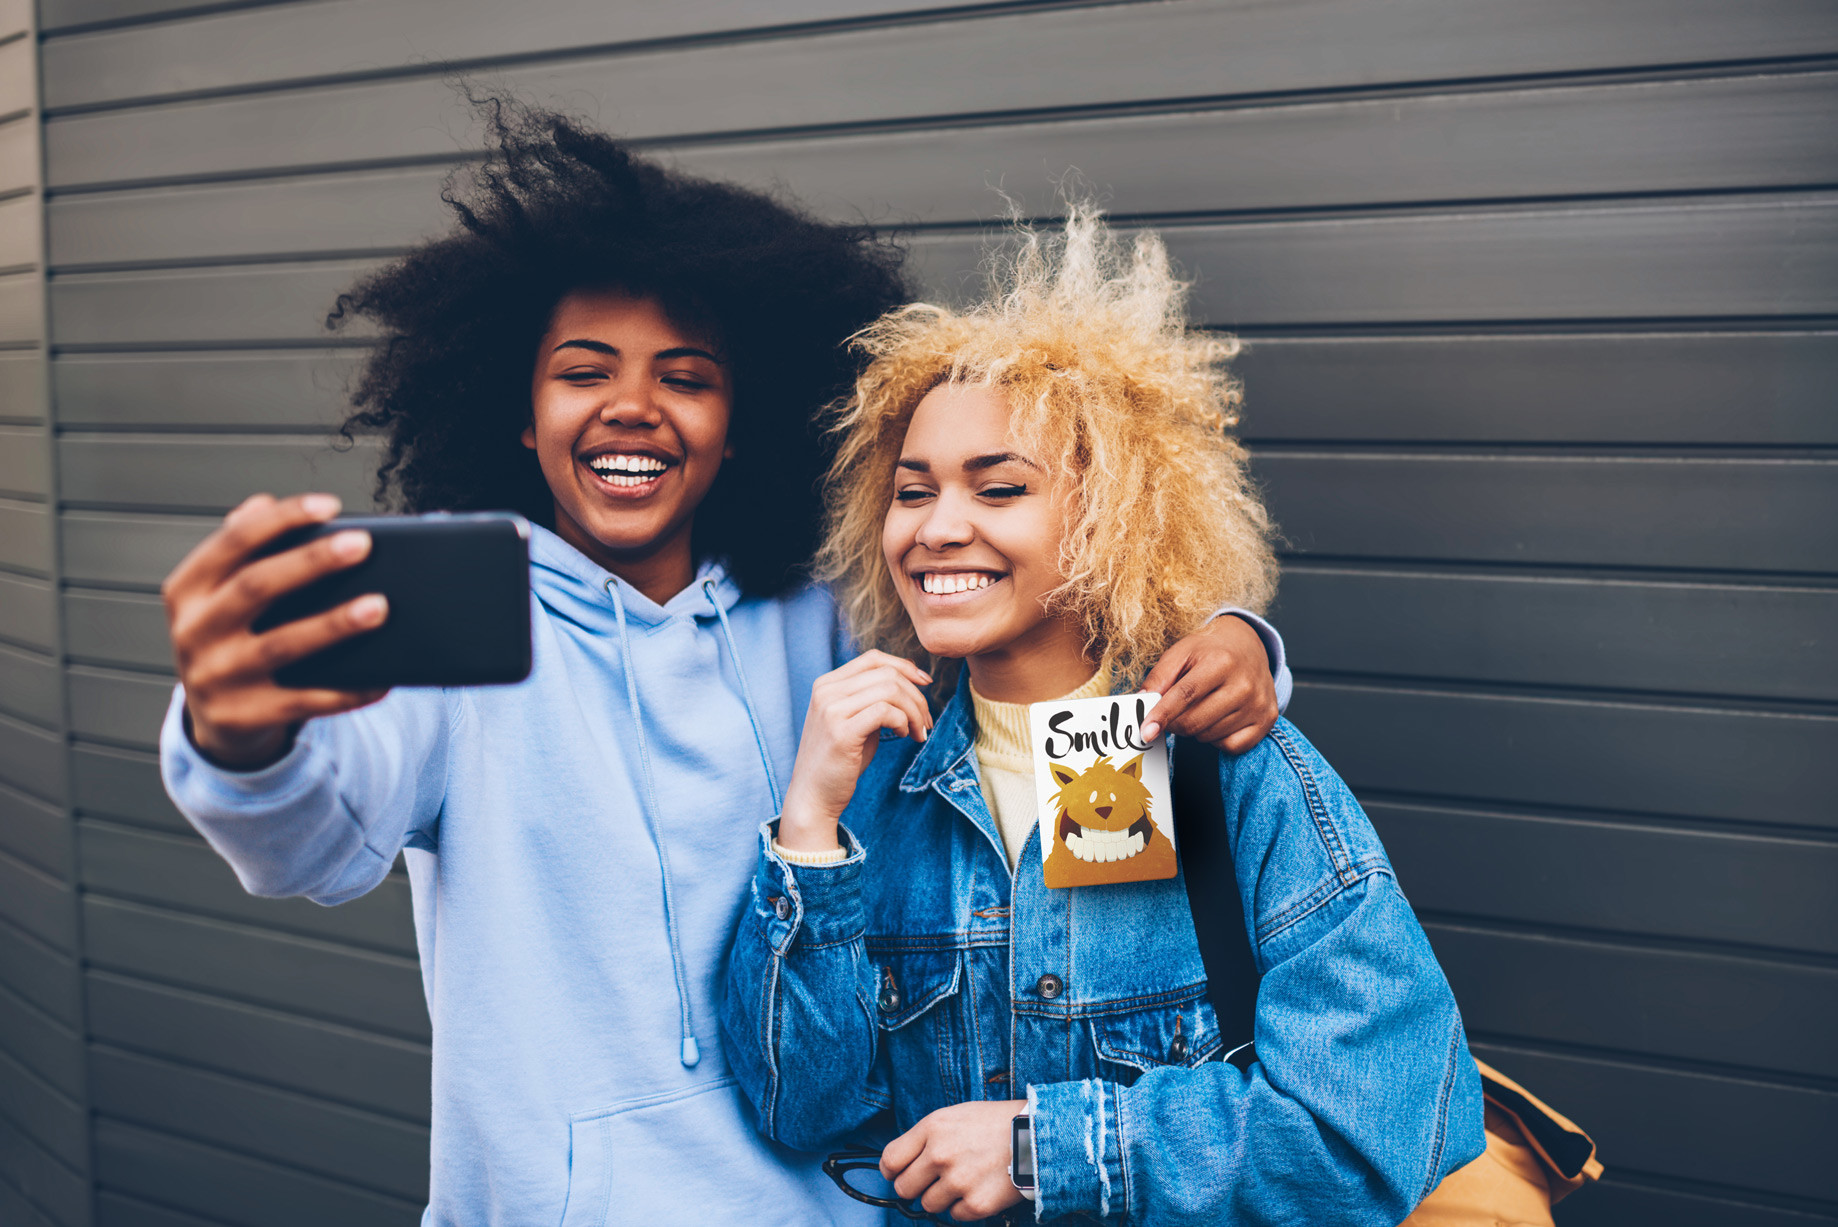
(631, 358)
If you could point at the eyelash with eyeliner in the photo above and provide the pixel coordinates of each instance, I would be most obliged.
(1003, 492)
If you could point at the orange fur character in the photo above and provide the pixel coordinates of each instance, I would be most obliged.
(1103, 832)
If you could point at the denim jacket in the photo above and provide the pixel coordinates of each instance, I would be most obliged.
(919, 972)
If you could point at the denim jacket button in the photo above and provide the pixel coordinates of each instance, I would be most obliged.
(889, 1000)
(1177, 1051)
(781, 907)
(1049, 986)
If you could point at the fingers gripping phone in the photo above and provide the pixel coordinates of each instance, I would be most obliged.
(459, 604)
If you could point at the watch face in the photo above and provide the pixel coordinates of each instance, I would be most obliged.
(1021, 1153)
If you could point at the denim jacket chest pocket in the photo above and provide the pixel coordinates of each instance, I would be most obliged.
(917, 1005)
(1129, 1044)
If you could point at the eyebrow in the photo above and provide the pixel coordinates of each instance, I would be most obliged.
(976, 464)
(601, 347)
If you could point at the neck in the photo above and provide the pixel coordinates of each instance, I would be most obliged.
(660, 571)
(1044, 664)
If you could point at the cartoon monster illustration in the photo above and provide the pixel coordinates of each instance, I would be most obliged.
(1103, 832)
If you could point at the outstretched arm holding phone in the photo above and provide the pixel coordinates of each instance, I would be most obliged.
(320, 813)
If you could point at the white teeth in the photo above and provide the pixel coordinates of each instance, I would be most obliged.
(622, 470)
(1101, 847)
(961, 581)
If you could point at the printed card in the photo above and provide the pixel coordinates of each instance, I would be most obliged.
(1106, 809)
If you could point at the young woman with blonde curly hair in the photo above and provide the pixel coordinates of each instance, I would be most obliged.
(1042, 489)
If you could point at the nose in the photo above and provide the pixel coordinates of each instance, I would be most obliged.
(945, 525)
(1103, 811)
(630, 405)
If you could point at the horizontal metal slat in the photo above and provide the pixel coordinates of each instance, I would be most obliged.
(41, 975)
(21, 242)
(58, 1123)
(1739, 258)
(1759, 640)
(117, 628)
(1112, 54)
(1667, 1003)
(1616, 1203)
(36, 1173)
(1728, 513)
(1684, 884)
(22, 389)
(1618, 388)
(219, 50)
(99, 547)
(301, 1054)
(1673, 261)
(14, 1208)
(29, 687)
(25, 470)
(25, 536)
(116, 706)
(38, 903)
(1615, 388)
(28, 611)
(34, 832)
(214, 471)
(302, 391)
(22, 308)
(184, 873)
(315, 978)
(1645, 758)
(32, 759)
(340, 1143)
(233, 1188)
(121, 784)
(1743, 133)
(41, 1044)
(1687, 1125)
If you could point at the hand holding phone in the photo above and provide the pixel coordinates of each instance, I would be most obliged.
(284, 614)
(238, 715)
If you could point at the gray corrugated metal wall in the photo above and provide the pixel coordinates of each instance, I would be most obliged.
(1543, 302)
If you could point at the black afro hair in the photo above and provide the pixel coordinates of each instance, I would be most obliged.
(555, 208)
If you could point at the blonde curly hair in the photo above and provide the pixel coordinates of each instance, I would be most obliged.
(1109, 390)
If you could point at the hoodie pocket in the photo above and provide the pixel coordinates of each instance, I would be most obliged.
(690, 1156)
(916, 1006)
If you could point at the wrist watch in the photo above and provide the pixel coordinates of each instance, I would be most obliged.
(1021, 1154)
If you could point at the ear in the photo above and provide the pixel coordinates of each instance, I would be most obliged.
(1133, 768)
(1062, 774)
(528, 436)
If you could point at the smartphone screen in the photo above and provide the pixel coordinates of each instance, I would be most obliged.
(459, 603)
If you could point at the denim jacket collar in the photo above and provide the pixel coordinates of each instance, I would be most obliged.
(948, 749)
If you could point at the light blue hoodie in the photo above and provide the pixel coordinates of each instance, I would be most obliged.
(561, 1093)
(580, 847)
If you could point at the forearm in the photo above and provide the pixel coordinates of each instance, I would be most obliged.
(1273, 648)
(801, 1043)
(326, 820)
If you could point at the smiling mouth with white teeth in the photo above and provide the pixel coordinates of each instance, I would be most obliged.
(625, 470)
(945, 583)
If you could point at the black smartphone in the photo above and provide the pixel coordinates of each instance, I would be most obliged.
(459, 603)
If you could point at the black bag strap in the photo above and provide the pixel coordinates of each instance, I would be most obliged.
(1212, 894)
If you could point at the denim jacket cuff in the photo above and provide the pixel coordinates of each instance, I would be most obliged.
(1078, 1150)
(813, 905)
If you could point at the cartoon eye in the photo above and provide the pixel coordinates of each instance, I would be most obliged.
(1093, 796)
(1113, 796)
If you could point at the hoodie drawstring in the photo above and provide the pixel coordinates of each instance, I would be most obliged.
(746, 696)
(690, 1052)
